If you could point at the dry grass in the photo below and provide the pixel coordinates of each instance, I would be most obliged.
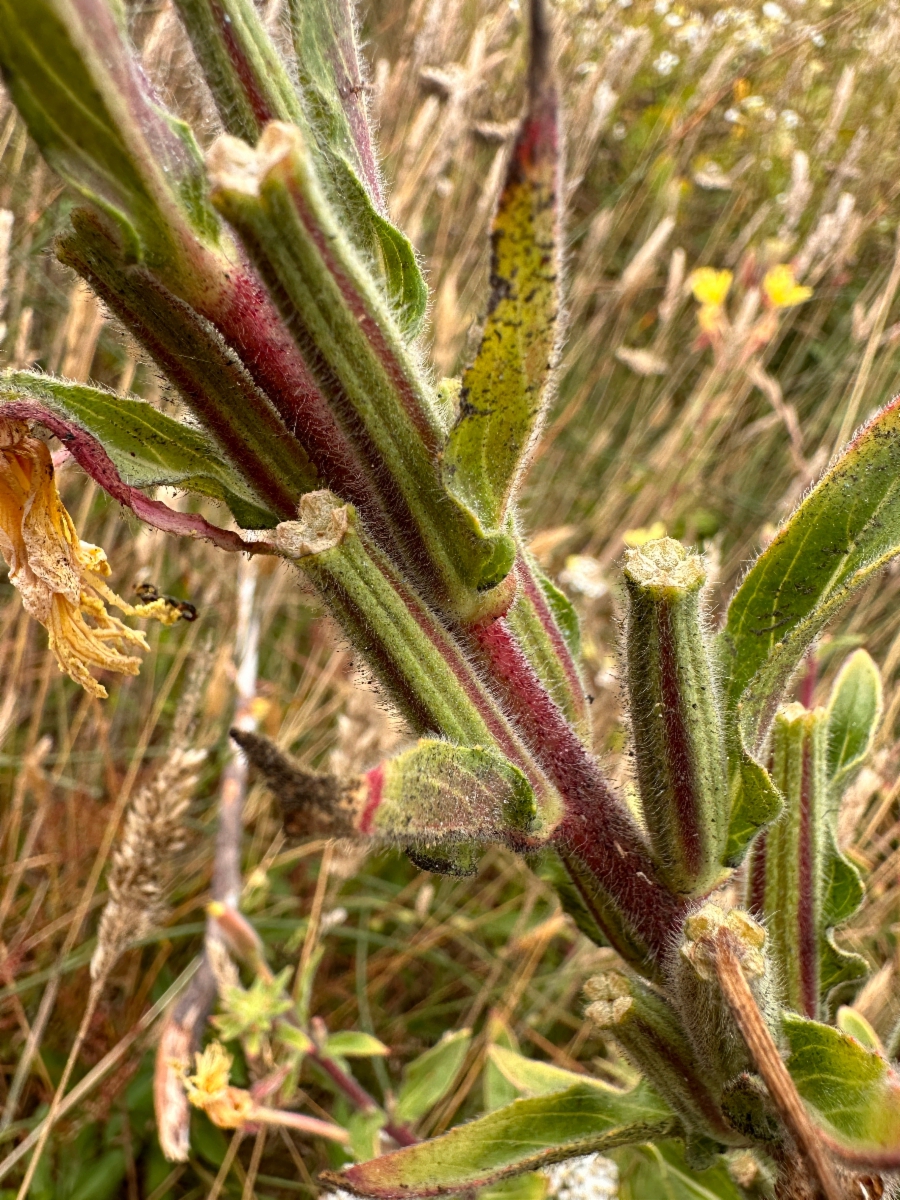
(772, 138)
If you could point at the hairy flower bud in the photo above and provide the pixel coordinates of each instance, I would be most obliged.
(678, 741)
(652, 1036)
(705, 1013)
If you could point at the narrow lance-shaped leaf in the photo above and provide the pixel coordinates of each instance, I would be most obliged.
(147, 448)
(531, 1077)
(431, 794)
(504, 391)
(854, 713)
(428, 1078)
(524, 1136)
(352, 1043)
(844, 532)
(675, 724)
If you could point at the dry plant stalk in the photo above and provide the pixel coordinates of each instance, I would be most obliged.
(140, 871)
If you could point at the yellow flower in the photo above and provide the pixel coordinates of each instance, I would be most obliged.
(640, 537)
(61, 579)
(782, 289)
(213, 1068)
(208, 1089)
(710, 287)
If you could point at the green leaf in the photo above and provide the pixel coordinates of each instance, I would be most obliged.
(333, 88)
(844, 532)
(855, 1025)
(841, 972)
(77, 85)
(854, 712)
(388, 251)
(524, 1136)
(104, 1179)
(521, 1187)
(364, 1129)
(428, 1078)
(437, 793)
(534, 1078)
(354, 1044)
(843, 889)
(330, 74)
(497, 1091)
(298, 1041)
(853, 1091)
(148, 449)
(660, 1172)
(563, 611)
(504, 390)
(755, 801)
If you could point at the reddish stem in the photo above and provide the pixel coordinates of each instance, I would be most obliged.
(597, 828)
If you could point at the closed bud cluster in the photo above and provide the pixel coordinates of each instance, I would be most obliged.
(786, 867)
(678, 742)
(707, 1017)
(652, 1036)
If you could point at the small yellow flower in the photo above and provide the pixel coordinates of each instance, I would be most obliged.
(710, 287)
(208, 1089)
(782, 289)
(213, 1068)
(61, 579)
(640, 537)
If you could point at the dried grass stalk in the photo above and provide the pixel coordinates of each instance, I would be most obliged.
(141, 863)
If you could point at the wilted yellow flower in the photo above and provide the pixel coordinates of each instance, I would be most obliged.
(208, 1089)
(710, 287)
(213, 1068)
(782, 289)
(60, 578)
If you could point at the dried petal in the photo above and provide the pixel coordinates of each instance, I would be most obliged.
(61, 579)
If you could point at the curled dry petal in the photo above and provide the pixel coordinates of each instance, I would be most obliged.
(61, 579)
(208, 1089)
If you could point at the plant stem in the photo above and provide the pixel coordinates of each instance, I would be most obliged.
(765, 1054)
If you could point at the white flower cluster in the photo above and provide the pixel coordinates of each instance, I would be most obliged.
(590, 1178)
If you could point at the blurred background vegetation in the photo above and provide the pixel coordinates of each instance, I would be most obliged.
(733, 137)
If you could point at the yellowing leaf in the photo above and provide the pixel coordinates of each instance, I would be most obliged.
(503, 391)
